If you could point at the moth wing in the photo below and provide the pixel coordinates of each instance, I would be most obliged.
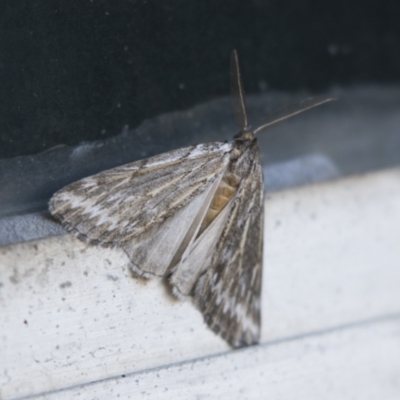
(228, 290)
(154, 252)
(128, 205)
(197, 257)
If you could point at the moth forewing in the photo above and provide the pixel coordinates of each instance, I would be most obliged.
(117, 205)
(228, 293)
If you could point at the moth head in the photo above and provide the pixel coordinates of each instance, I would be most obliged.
(245, 136)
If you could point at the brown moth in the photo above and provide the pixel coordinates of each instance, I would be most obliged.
(194, 215)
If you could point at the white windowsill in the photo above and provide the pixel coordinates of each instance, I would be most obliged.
(73, 320)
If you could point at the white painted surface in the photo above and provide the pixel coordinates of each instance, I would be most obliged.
(332, 258)
(345, 364)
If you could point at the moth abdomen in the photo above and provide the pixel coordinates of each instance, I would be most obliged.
(225, 191)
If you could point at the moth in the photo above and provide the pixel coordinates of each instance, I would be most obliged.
(193, 215)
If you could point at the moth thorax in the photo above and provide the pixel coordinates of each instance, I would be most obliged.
(226, 189)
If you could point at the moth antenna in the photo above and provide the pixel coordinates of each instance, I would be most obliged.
(294, 109)
(237, 92)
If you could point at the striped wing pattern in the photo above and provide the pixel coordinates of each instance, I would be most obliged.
(117, 205)
(228, 292)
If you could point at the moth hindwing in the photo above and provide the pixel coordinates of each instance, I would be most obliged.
(194, 215)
